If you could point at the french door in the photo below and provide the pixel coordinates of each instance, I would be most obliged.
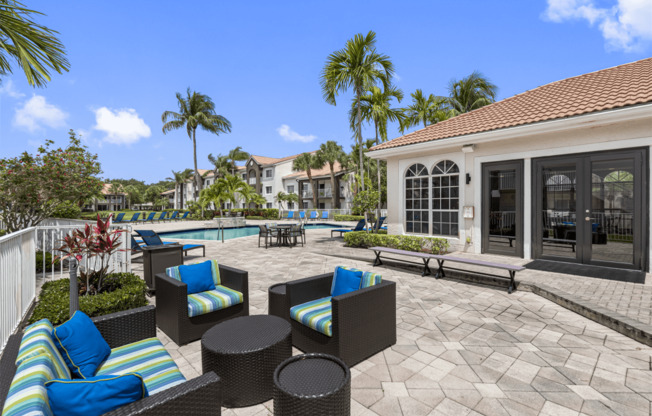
(591, 208)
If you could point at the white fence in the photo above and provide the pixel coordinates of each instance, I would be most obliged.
(17, 279)
(331, 212)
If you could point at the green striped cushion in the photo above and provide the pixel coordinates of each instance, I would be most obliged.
(370, 279)
(316, 314)
(174, 272)
(37, 339)
(27, 394)
(148, 358)
(213, 300)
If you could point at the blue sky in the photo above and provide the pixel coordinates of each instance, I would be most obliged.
(260, 63)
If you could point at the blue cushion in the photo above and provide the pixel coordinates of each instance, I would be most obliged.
(95, 395)
(81, 345)
(345, 281)
(198, 277)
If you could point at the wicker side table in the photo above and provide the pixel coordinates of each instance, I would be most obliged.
(278, 301)
(312, 384)
(244, 352)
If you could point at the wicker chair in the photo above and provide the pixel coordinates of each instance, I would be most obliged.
(364, 321)
(194, 397)
(172, 306)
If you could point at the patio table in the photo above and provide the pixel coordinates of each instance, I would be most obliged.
(282, 234)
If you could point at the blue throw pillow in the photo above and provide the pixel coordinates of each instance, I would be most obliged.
(198, 277)
(95, 395)
(345, 281)
(81, 345)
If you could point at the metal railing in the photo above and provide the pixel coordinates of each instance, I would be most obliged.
(322, 193)
(331, 212)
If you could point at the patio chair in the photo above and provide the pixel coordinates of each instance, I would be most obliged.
(290, 215)
(162, 217)
(352, 326)
(324, 215)
(266, 233)
(185, 318)
(296, 232)
(378, 225)
(118, 218)
(150, 217)
(184, 216)
(134, 218)
(150, 238)
(174, 216)
(314, 215)
(302, 215)
(359, 227)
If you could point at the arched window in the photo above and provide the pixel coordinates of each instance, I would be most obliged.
(416, 199)
(445, 198)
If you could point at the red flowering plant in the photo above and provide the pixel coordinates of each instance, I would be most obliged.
(97, 244)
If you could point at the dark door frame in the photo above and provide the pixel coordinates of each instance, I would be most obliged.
(518, 242)
(583, 235)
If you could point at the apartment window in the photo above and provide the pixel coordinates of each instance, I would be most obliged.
(305, 205)
(416, 199)
(269, 205)
(268, 173)
(445, 198)
(322, 205)
(244, 176)
(290, 205)
(290, 189)
(268, 190)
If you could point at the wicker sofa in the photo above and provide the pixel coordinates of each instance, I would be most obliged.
(363, 321)
(199, 396)
(172, 306)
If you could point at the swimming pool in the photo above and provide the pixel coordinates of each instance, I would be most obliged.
(229, 233)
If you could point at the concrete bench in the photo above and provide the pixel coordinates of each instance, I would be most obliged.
(426, 257)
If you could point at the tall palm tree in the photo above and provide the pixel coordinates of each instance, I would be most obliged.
(280, 197)
(331, 152)
(233, 186)
(425, 110)
(357, 66)
(195, 110)
(34, 47)
(236, 155)
(308, 162)
(470, 93)
(215, 193)
(180, 178)
(220, 163)
(134, 196)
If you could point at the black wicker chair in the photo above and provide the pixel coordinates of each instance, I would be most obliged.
(364, 321)
(199, 396)
(172, 306)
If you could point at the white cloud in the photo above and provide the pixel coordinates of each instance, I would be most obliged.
(8, 88)
(625, 25)
(37, 113)
(290, 135)
(121, 126)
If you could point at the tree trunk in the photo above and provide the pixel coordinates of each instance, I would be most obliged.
(333, 189)
(359, 134)
(198, 181)
(380, 194)
(314, 191)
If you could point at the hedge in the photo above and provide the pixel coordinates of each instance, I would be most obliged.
(54, 300)
(255, 217)
(338, 217)
(402, 242)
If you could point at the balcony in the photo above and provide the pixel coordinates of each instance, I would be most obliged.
(322, 193)
(252, 181)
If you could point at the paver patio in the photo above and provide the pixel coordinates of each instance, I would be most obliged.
(463, 349)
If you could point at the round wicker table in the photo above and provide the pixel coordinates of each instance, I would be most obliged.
(244, 352)
(278, 305)
(312, 384)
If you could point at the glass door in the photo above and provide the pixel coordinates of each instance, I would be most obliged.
(502, 208)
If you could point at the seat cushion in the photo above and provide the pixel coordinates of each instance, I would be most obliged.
(370, 279)
(345, 280)
(213, 300)
(27, 394)
(37, 339)
(148, 358)
(316, 314)
(215, 270)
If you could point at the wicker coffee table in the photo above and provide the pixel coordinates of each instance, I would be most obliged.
(244, 352)
(278, 303)
(312, 384)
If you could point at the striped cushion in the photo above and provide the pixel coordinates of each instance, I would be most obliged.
(148, 358)
(37, 339)
(174, 272)
(213, 300)
(316, 314)
(370, 279)
(27, 394)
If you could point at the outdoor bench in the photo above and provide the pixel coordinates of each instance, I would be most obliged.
(426, 257)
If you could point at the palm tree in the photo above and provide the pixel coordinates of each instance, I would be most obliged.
(235, 155)
(33, 46)
(232, 186)
(180, 178)
(134, 195)
(215, 194)
(291, 198)
(196, 110)
(308, 161)
(357, 66)
(331, 152)
(470, 93)
(280, 197)
(220, 163)
(425, 111)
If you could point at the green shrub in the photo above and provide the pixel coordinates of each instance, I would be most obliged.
(67, 209)
(3, 232)
(48, 262)
(364, 239)
(255, 217)
(53, 301)
(338, 217)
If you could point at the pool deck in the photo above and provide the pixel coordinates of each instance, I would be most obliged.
(464, 348)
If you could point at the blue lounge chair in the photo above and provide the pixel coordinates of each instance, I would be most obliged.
(302, 215)
(378, 225)
(150, 217)
(290, 215)
(174, 216)
(118, 219)
(313, 215)
(134, 218)
(185, 214)
(324, 215)
(359, 227)
(162, 216)
(150, 238)
(135, 245)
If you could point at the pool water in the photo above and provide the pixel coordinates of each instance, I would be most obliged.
(229, 233)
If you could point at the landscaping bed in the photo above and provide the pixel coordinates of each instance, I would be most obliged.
(364, 239)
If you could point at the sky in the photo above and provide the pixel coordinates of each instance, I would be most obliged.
(260, 62)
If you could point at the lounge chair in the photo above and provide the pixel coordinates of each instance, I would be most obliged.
(162, 216)
(302, 215)
(290, 215)
(324, 215)
(119, 218)
(134, 218)
(359, 227)
(378, 225)
(183, 217)
(313, 215)
(174, 216)
(150, 238)
(150, 217)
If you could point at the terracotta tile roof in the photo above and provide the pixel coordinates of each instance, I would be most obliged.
(620, 86)
(324, 171)
(105, 190)
(171, 191)
(266, 161)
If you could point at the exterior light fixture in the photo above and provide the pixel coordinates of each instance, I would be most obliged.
(468, 178)
(468, 148)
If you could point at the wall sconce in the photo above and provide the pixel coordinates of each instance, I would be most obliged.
(468, 178)
(468, 148)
